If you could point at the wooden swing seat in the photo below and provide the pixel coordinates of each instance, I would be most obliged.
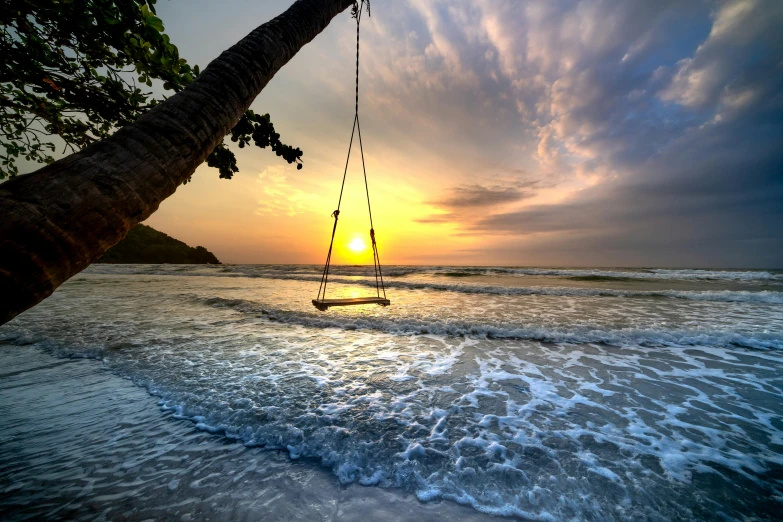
(324, 304)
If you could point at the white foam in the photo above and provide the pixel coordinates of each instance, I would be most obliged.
(725, 296)
(458, 328)
(282, 271)
(513, 464)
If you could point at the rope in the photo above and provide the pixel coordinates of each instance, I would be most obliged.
(358, 19)
(379, 286)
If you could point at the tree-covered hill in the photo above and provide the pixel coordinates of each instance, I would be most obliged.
(144, 244)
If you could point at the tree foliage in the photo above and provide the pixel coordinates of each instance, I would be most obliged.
(80, 69)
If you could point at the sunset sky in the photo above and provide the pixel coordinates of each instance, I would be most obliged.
(507, 132)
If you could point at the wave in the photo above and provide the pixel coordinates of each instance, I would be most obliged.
(580, 274)
(645, 274)
(601, 278)
(457, 328)
(725, 296)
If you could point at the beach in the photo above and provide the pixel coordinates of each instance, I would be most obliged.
(218, 392)
(80, 443)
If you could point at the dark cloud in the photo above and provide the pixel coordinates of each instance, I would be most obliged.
(714, 199)
(475, 196)
(466, 203)
(438, 219)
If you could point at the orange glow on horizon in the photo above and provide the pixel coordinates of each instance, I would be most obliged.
(281, 215)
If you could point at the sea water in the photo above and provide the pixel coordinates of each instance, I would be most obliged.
(538, 393)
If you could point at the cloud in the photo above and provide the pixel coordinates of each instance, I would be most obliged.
(478, 196)
(713, 199)
(740, 29)
(672, 133)
(600, 131)
(661, 117)
(281, 198)
(437, 219)
(469, 202)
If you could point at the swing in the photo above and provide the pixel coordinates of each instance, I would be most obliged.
(321, 302)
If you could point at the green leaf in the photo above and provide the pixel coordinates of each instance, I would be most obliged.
(81, 47)
(155, 22)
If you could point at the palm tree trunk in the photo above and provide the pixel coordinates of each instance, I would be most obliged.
(59, 219)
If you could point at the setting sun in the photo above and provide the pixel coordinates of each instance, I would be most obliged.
(357, 244)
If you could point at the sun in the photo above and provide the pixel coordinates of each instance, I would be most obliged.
(357, 245)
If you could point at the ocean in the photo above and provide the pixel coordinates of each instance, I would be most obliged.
(220, 392)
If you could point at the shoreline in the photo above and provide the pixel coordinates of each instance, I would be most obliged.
(82, 443)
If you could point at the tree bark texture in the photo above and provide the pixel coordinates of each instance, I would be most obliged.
(59, 219)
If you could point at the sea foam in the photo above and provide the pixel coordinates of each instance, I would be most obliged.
(459, 328)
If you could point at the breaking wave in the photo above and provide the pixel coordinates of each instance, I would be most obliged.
(580, 274)
(726, 296)
(459, 328)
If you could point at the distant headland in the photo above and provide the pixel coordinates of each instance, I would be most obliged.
(144, 244)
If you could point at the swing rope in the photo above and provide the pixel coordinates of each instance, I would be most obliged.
(379, 287)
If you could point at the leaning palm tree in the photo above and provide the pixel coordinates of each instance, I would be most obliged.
(59, 219)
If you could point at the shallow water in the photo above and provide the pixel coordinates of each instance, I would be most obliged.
(546, 394)
(80, 443)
